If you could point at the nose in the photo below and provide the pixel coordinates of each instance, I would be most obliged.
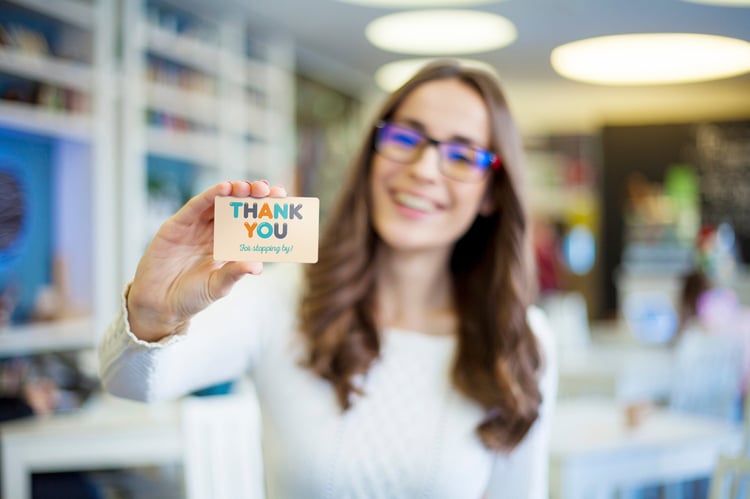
(427, 166)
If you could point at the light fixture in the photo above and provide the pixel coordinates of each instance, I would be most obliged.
(394, 74)
(440, 32)
(723, 3)
(418, 3)
(648, 59)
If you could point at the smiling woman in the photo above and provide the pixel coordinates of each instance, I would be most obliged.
(411, 347)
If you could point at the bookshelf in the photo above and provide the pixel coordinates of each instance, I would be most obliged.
(56, 73)
(141, 104)
(205, 99)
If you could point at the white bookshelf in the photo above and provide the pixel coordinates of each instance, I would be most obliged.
(77, 76)
(32, 119)
(189, 51)
(44, 337)
(201, 148)
(85, 131)
(184, 103)
(79, 13)
(226, 102)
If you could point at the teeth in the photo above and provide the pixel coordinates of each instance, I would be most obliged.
(414, 202)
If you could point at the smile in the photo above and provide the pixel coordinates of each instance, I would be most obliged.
(415, 202)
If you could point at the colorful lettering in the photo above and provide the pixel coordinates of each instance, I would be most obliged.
(264, 230)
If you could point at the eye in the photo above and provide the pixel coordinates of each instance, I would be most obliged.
(459, 153)
(404, 137)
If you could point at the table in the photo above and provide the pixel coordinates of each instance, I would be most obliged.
(43, 337)
(108, 433)
(201, 433)
(620, 371)
(613, 363)
(591, 449)
(593, 453)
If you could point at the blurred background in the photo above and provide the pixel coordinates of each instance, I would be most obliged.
(115, 112)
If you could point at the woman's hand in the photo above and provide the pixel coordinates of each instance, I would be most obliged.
(177, 276)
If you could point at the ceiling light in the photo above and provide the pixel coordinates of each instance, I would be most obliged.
(724, 3)
(418, 3)
(647, 59)
(394, 74)
(440, 32)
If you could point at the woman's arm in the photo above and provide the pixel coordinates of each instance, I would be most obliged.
(220, 343)
(178, 328)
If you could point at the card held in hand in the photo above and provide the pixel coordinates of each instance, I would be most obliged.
(266, 229)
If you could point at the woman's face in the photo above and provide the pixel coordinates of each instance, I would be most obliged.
(415, 206)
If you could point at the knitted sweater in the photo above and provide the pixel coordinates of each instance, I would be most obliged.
(411, 435)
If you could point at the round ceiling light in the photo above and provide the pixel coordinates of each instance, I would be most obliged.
(418, 3)
(391, 76)
(652, 59)
(723, 3)
(440, 32)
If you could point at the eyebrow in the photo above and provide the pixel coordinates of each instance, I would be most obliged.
(418, 126)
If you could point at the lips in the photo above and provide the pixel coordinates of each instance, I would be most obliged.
(415, 202)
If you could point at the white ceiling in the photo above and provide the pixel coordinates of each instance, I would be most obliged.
(331, 47)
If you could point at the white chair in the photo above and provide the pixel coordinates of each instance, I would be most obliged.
(707, 374)
(706, 381)
(222, 449)
(568, 314)
(731, 479)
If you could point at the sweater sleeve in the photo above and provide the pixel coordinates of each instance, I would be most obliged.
(524, 472)
(221, 343)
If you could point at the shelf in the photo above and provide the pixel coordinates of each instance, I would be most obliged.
(34, 119)
(186, 50)
(42, 337)
(258, 153)
(562, 199)
(76, 13)
(196, 98)
(256, 74)
(196, 147)
(73, 75)
(74, 162)
(257, 121)
(194, 106)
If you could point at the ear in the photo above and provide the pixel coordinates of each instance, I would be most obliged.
(488, 206)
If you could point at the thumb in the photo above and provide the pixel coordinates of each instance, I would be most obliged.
(224, 278)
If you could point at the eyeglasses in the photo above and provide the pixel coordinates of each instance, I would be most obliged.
(458, 161)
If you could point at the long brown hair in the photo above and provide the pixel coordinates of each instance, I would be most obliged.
(498, 360)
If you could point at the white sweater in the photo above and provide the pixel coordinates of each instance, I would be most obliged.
(412, 435)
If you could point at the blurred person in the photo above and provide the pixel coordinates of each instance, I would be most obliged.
(22, 395)
(694, 284)
(546, 236)
(407, 362)
(708, 305)
(27, 390)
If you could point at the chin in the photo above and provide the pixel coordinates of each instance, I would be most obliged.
(410, 240)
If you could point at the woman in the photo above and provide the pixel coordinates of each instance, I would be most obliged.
(411, 364)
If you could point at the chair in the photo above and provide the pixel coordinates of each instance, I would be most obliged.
(568, 312)
(731, 478)
(707, 375)
(706, 381)
(222, 451)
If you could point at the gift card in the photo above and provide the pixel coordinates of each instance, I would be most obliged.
(266, 229)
